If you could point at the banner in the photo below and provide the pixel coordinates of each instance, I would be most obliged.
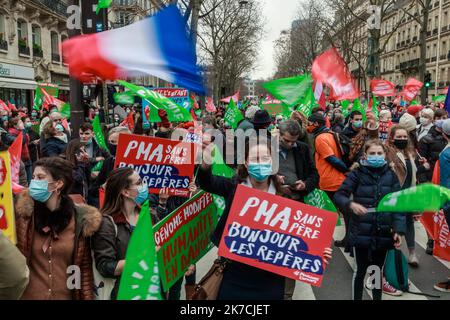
(273, 107)
(437, 228)
(7, 223)
(184, 237)
(50, 88)
(161, 163)
(330, 69)
(278, 235)
(411, 89)
(321, 200)
(383, 88)
(178, 95)
(140, 276)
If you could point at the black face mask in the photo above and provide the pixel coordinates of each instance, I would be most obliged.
(401, 144)
(112, 149)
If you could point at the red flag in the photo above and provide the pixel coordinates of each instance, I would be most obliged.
(129, 121)
(3, 105)
(15, 153)
(48, 100)
(330, 69)
(194, 116)
(437, 228)
(11, 106)
(381, 87)
(411, 89)
(194, 102)
(235, 98)
(319, 94)
(210, 107)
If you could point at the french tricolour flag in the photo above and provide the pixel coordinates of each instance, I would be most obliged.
(157, 46)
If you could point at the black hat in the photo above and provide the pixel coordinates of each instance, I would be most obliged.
(317, 117)
(261, 117)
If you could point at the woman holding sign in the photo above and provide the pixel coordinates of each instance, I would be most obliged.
(371, 234)
(124, 193)
(241, 281)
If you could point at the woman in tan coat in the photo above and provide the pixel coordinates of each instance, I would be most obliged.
(54, 235)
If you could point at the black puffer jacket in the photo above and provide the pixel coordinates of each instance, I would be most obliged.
(368, 186)
(430, 147)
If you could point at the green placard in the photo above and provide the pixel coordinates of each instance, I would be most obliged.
(184, 237)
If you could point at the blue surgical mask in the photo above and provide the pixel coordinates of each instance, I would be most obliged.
(59, 127)
(376, 161)
(358, 124)
(260, 172)
(142, 195)
(39, 190)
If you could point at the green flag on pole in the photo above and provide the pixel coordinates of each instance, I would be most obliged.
(103, 4)
(422, 198)
(358, 107)
(308, 103)
(37, 105)
(65, 110)
(375, 108)
(98, 134)
(140, 276)
(233, 115)
(319, 199)
(123, 98)
(345, 104)
(175, 113)
(219, 168)
(291, 91)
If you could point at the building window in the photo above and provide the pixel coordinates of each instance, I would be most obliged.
(36, 37)
(22, 32)
(55, 47)
(3, 41)
(63, 38)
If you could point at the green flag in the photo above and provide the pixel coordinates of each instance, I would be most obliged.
(103, 4)
(123, 98)
(233, 115)
(175, 113)
(98, 134)
(345, 104)
(37, 105)
(154, 116)
(307, 103)
(289, 90)
(97, 167)
(260, 104)
(358, 107)
(439, 99)
(219, 168)
(422, 198)
(375, 108)
(65, 110)
(321, 200)
(414, 103)
(140, 276)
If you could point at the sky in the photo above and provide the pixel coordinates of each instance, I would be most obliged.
(279, 15)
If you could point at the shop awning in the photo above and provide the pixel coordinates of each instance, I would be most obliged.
(17, 83)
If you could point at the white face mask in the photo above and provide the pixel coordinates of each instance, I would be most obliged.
(424, 121)
(63, 138)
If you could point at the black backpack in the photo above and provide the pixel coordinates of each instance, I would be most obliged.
(344, 145)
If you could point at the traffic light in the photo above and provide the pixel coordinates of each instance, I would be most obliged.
(427, 80)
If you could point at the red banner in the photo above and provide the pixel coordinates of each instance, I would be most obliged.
(15, 153)
(279, 235)
(161, 163)
(437, 228)
(383, 88)
(411, 89)
(330, 69)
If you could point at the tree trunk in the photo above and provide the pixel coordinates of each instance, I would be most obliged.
(194, 20)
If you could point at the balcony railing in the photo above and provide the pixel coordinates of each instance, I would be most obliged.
(56, 57)
(57, 6)
(24, 50)
(433, 59)
(37, 52)
(4, 45)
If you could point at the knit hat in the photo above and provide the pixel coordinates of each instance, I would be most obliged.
(446, 127)
(317, 117)
(250, 113)
(409, 122)
(427, 112)
(413, 110)
(261, 117)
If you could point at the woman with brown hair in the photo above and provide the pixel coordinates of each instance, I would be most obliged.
(124, 193)
(407, 165)
(368, 132)
(54, 235)
(55, 139)
(240, 281)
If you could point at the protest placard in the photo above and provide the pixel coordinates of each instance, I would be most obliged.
(161, 163)
(279, 235)
(7, 224)
(178, 95)
(184, 237)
